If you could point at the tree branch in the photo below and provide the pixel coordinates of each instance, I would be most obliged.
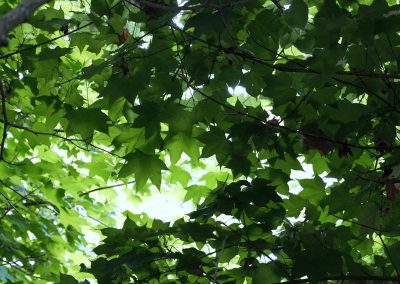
(5, 119)
(389, 256)
(17, 16)
(105, 187)
(54, 134)
(359, 224)
(186, 7)
(348, 277)
(7, 55)
(283, 127)
(245, 54)
(278, 5)
(4, 263)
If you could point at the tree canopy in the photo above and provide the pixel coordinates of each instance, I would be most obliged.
(277, 119)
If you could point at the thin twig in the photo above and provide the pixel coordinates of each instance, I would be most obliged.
(283, 68)
(245, 54)
(282, 127)
(105, 187)
(98, 221)
(20, 260)
(25, 197)
(70, 140)
(7, 55)
(278, 5)
(359, 224)
(345, 277)
(389, 256)
(5, 119)
(186, 7)
(309, 70)
(9, 203)
(217, 259)
(276, 262)
(9, 187)
(303, 99)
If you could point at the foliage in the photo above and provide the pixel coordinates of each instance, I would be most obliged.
(295, 100)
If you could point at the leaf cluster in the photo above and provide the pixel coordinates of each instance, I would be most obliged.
(277, 119)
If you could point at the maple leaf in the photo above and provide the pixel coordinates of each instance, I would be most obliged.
(183, 143)
(144, 167)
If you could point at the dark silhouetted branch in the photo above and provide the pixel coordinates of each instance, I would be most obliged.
(282, 127)
(389, 255)
(348, 277)
(187, 7)
(5, 119)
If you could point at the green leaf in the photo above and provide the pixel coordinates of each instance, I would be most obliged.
(297, 14)
(148, 117)
(122, 87)
(101, 7)
(313, 190)
(182, 143)
(67, 279)
(316, 263)
(179, 175)
(55, 53)
(144, 167)
(196, 192)
(266, 273)
(83, 39)
(215, 144)
(86, 121)
(278, 122)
